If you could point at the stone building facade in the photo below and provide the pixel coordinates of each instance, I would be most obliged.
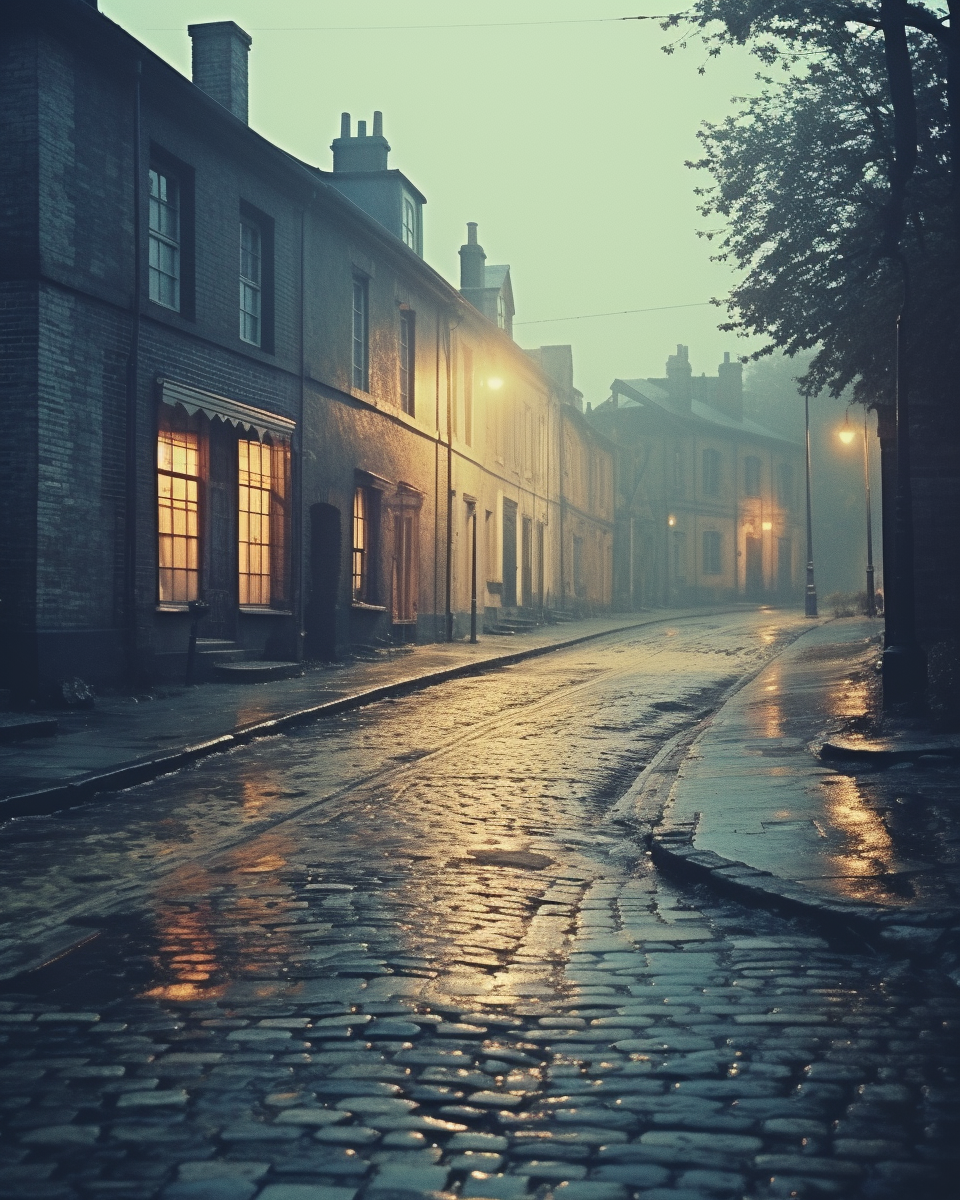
(709, 504)
(230, 379)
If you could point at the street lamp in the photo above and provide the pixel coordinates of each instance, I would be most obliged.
(846, 435)
(810, 596)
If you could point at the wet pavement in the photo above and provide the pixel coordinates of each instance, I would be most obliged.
(877, 832)
(410, 952)
(121, 730)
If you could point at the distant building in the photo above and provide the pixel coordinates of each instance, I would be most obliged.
(230, 378)
(708, 503)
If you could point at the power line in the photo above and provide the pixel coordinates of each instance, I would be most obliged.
(395, 28)
(619, 313)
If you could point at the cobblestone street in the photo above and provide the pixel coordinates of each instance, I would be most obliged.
(411, 950)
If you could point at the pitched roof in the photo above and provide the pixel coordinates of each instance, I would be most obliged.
(645, 392)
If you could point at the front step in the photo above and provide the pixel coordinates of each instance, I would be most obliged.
(255, 671)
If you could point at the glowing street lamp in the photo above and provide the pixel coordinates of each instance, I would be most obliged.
(846, 435)
(495, 383)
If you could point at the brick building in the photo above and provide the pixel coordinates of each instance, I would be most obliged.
(230, 377)
(709, 503)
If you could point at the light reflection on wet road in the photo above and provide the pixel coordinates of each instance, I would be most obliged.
(405, 952)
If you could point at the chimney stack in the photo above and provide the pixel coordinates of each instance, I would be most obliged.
(220, 50)
(679, 379)
(730, 388)
(363, 154)
(472, 259)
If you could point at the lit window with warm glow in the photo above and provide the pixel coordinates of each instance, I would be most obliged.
(254, 514)
(361, 541)
(178, 516)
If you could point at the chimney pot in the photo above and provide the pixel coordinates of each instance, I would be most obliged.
(361, 129)
(220, 50)
(378, 124)
(472, 259)
(344, 125)
(726, 357)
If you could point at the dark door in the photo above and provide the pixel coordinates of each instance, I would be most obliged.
(540, 564)
(320, 616)
(509, 595)
(784, 565)
(526, 564)
(754, 572)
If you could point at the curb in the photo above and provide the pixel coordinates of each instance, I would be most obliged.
(79, 790)
(926, 936)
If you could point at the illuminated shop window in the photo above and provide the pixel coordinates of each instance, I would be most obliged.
(178, 513)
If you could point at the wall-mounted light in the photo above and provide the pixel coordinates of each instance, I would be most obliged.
(495, 383)
(768, 525)
(671, 520)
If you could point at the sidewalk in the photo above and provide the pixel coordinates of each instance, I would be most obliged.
(127, 740)
(863, 834)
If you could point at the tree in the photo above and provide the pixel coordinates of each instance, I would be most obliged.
(801, 187)
(838, 190)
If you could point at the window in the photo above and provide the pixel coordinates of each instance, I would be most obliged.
(785, 489)
(407, 360)
(361, 334)
(408, 224)
(405, 566)
(178, 513)
(254, 513)
(468, 395)
(501, 311)
(364, 501)
(251, 278)
(678, 470)
(711, 472)
(164, 239)
(751, 476)
(712, 564)
(579, 588)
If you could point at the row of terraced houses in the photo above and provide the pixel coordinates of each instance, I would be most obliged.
(239, 401)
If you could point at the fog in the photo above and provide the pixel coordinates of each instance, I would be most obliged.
(564, 132)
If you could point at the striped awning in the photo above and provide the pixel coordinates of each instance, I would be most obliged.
(243, 415)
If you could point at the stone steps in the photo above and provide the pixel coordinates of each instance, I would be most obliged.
(255, 671)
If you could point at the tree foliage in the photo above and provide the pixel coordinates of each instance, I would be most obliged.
(833, 189)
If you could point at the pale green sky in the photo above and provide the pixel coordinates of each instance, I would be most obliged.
(565, 141)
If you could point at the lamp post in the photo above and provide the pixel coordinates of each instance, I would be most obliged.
(810, 596)
(472, 507)
(846, 436)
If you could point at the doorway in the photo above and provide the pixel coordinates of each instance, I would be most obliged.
(526, 563)
(509, 595)
(753, 581)
(320, 615)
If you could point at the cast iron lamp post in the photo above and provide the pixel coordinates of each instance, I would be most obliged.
(846, 435)
(810, 596)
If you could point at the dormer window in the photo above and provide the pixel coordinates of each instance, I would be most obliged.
(409, 224)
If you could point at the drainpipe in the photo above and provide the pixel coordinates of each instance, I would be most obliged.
(448, 615)
(298, 522)
(132, 387)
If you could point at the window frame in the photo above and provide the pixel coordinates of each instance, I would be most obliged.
(161, 162)
(711, 474)
(166, 200)
(410, 230)
(408, 361)
(752, 476)
(250, 287)
(173, 425)
(712, 552)
(364, 520)
(360, 334)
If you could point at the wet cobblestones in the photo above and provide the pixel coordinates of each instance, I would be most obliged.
(466, 981)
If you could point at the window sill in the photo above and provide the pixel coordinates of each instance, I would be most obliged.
(359, 606)
(259, 610)
(172, 608)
